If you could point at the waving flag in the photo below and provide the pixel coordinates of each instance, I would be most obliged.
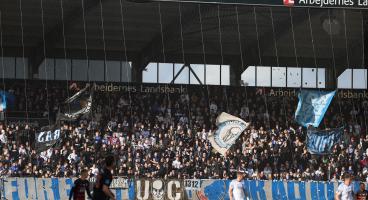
(312, 107)
(77, 105)
(229, 130)
(49, 137)
(322, 142)
(3, 102)
(6, 99)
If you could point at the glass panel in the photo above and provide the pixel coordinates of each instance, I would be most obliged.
(213, 74)
(309, 77)
(62, 69)
(8, 68)
(126, 71)
(225, 75)
(199, 71)
(183, 77)
(278, 76)
(165, 72)
(293, 77)
(249, 76)
(360, 78)
(263, 76)
(150, 73)
(113, 71)
(46, 69)
(79, 70)
(22, 69)
(321, 77)
(96, 70)
(344, 80)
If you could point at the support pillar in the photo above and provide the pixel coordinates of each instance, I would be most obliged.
(137, 67)
(235, 74)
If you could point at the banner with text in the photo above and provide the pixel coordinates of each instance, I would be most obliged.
(191, 189)
(49, 136)
(356, 4)
(322, 141)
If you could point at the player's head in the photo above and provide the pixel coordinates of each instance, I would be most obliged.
(110, 161)
(347, 178)
(362, 186)
(84, 174)
(240, 175)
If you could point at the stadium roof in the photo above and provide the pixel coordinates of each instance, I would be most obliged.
(144, 39)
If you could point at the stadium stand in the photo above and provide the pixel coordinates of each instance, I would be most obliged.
(159, 136)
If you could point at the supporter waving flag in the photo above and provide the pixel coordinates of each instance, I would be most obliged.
(77, 105)
(312, 107)
(228, 131)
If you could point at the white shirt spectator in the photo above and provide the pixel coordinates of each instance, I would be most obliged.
(254, 134)
(43, 155)
(147, 144)
(176, 164)
(73, 156)
(49, 153)
(204, 135)
(3, 137)
(319, 172)
(94, 170)
(22, 151)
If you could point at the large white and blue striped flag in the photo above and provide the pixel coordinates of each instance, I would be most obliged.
(322, 142)
(312, 107)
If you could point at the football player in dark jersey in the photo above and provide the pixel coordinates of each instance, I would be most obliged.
(101, 189)
(81, 186)
(362, 193)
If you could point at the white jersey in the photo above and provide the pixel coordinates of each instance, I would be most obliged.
(238, 190)
(345, 191)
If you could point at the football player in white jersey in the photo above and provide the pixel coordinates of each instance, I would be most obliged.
(236, 190)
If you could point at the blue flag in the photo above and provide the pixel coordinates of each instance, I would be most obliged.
(5, 99)
(2, 102)
(312, 107)
(321, 142)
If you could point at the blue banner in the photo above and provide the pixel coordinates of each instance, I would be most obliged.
(322, 142)
(312, 107)
(188, 189)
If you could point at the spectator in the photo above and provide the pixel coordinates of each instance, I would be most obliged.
(73, 157)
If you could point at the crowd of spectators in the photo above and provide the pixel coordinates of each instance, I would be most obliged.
(158, 135)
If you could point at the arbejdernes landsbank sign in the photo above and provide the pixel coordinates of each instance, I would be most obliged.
(347, 4)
